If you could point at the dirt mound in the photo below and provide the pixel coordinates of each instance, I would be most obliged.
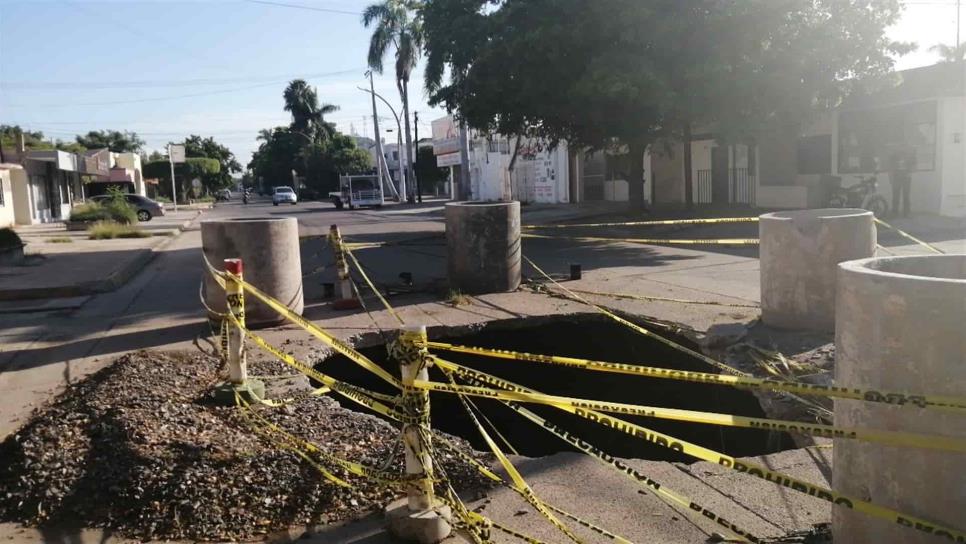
(136, 448)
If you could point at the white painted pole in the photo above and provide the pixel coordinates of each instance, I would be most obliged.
(235, 298)
(419, 462)
(375, 128)
(174, 191)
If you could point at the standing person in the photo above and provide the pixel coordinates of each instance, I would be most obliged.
(901, 180)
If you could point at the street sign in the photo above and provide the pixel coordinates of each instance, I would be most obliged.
(176, 152)
(449, 159)
(445, 136)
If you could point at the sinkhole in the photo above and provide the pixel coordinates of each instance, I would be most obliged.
(589, 337)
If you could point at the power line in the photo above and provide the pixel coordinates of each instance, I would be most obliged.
(308, 8)
(175, 97)
(148, 83)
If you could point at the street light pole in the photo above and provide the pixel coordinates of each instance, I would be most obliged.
(375, 129)
(174, 191)
(402, 186)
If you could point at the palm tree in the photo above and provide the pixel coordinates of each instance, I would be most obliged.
(950, 53)
(396, 26)
(308, 117)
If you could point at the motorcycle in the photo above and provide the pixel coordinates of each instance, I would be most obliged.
(861, 195)
(245, 197)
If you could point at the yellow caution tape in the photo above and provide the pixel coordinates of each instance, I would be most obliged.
(356, 394)
(518, 482)
(758, 471)
(905, 234)
(322, 470)
(655, 241)
(275, 403)
(705, 221)
(641, 330)
(316, 331)
(668, 496)
(664, 299)
(745, 382)
(365, 277)
(892, 438)
(352, 467)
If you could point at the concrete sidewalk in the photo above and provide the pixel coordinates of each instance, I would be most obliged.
(66, 264)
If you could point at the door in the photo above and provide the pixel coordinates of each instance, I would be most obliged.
(719, 175)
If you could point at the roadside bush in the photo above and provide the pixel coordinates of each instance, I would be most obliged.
(107, 230)
(9, 239)
(91, 211)
(162, 199)
(117, 210)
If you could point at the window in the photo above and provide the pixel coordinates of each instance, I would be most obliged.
(872, 140)
(395, 155)
(815, 154)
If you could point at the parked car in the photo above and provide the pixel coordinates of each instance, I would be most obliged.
(223, 195)
(284, 194)
(144, 206)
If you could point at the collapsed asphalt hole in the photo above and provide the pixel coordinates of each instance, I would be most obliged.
(591, 337)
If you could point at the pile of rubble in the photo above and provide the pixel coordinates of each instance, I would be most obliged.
(137, 448)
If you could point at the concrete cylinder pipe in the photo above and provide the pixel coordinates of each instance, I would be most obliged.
(269, 247)
(899, 327)
(483, 246)
(800, 251)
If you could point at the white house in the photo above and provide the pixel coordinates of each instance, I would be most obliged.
(540, 174)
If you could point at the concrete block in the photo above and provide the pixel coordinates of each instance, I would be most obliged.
(421, 526)
(224, 393)
(269, 248)
(800, 251)
(900, 328)
(483, 246)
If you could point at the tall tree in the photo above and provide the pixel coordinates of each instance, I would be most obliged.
(115, 140)
(196, 146)
(616, 72)
(308, 116)
(950, 53)
(397, 26)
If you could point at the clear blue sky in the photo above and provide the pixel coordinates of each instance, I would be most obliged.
(69, 66)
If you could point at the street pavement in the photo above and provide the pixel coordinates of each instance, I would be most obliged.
(42, 352)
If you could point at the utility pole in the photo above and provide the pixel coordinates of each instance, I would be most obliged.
(174, 191)
(375, 127)
(419, 189)
(464, 187)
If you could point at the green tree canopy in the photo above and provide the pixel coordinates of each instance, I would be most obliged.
(115, 140)
(610, 72)
(196, 146)
(308, 116)
(397, 27)
(33, 139)
(326, 161)
(430, 175)
(184, 173)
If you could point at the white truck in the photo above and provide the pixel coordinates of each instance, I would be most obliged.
(361, 190)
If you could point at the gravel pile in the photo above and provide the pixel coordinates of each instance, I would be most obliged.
(138, 449)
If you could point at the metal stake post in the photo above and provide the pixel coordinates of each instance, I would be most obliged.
(235, 299)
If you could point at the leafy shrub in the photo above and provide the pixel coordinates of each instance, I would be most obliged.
(106, 230)
(117, 210)
(162, 199)
(91, 211)
(60, 240)
(9, 239)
